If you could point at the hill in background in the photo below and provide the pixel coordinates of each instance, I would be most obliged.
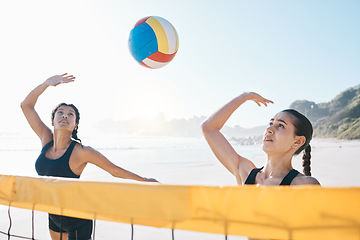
(339, 118)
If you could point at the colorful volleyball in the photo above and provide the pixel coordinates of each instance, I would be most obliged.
(153, 42)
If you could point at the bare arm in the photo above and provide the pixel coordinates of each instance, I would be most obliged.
(96, 158)
(28, 106)
(225, 153)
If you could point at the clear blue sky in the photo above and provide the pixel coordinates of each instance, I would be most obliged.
(284, 50)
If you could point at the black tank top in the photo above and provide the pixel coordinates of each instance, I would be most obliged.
(55, 167)
(286, 180)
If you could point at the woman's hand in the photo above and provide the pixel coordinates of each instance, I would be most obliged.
(58, 79)
(257, 98)
(150, 180)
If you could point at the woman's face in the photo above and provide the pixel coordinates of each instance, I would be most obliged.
(279, 137)
(65, 118)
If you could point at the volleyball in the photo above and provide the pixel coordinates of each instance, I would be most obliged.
(153, 42)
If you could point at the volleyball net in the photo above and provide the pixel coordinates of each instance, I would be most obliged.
(296, 212)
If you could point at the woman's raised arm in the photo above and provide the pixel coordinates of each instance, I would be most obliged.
(239, 166)
(28, 106)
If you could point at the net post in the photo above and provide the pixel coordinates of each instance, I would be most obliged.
(225, 229)
(172, 230)
(132, 231)
(10, 221)
(33, 222)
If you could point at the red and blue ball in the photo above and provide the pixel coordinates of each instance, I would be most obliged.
(153, 42)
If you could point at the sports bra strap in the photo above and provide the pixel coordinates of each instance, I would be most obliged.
(251, 178)
(289, 177)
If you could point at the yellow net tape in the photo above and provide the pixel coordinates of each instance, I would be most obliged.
(304, 212)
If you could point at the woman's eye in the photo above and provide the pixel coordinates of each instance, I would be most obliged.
(281, 126)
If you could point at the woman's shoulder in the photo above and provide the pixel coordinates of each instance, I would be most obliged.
(301, 179)
(83, 149)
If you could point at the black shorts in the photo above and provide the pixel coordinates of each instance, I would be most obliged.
(77, 228)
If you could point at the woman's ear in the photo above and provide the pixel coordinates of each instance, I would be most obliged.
(300, 140)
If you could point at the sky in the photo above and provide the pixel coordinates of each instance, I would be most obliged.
(283, 50)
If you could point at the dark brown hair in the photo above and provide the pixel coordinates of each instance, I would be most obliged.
(303, 127)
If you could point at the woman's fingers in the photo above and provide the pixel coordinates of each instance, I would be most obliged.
(262, 101)
(58, 79)
(69, 78)
(64, 78)
(257, 102)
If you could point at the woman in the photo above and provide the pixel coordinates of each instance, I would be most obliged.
(61, 156)
(288, 133)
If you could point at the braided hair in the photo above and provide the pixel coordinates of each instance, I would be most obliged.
(306, 161)
(303, 127)
(77, 114)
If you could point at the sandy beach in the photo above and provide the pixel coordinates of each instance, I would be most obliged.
(334, 164)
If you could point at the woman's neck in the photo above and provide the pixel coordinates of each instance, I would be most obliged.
(62, 140)
(277, 166)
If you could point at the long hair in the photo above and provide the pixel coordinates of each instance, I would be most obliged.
(77, 119)
(303, 127)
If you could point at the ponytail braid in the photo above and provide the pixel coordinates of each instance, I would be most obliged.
(74, 135)
(303, 127)
(306, 160)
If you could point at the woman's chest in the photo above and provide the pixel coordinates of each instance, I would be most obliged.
(269, 181)
(52, 155)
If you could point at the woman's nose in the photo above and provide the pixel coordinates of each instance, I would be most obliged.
(269, 130)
